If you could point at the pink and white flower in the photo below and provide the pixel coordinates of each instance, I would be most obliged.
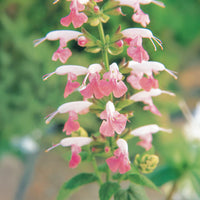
(145, 134)
(76, 106)
(93, 87)
(146, 98)
(63, 36)
(139, 16)
(76, 17)
(115, 83)
(113, 121)
(73, 71)
(120, 161)
(134, 38)
(75, 143)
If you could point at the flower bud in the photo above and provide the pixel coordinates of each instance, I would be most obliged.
(119, 43)
(96, 9)
(82, 41)
(146, 163)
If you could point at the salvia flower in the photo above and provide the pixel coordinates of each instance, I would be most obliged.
(76, 106)
(113, 121)
(75, 143)
(145, 134)
(120, 161)
(115, 83)
(146, 98)
(134, 36)
(139, 16)
(75, 17)
(63, 36)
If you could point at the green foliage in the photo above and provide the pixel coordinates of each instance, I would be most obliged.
(107, 190)
(74, 183)
(134, 192)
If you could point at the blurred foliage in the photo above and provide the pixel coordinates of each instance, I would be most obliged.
(25, 99)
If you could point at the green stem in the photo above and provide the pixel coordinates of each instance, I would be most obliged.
(96, 170)
(171, 193)
(104, 49)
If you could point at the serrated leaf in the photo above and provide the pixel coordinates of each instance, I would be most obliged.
(123, 104)
(164, 174)
(142, 180)
(107, 190)
(134, 192)
(75, 182)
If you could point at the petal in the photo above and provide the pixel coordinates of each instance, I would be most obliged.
(119, 89)
(113, 163)
(62, 54)
(106, 129)
(75, 158)
(70, 87)
(119, 122)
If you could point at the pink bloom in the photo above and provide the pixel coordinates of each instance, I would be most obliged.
(120, 161)
(140, 33)
(145, 134)
(64, 36)
(141, 17)
(93, 87)
(114, 121)
(75, 17)
(62, 54)
(71, 86)
(115, 84)
(76, 143)
(73, 71)
(136, 50)
(146, 98)
(71, 125)
(148, 68)
(76, 106)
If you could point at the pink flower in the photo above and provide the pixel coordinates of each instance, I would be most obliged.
(146, 98)
(93, 87)
(76, 106)
(114, 121)
(115, 84)
(64, 36)
(136, 50)
(145, 134)
(120, 161)
(148, 68)
(73, 71)
(71, 125)
(136, 35)
(75, 17)
(76, 143)
(82, 41)
(141, 17)
(62, 54)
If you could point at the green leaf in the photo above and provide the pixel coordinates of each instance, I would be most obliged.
(164, 174)
(142, 180)
(107, 190)
(75, 182)
(122, 104)
(103, 167)
(134, 192)
(118, 176)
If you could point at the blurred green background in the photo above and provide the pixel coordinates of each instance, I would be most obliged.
(25, 99)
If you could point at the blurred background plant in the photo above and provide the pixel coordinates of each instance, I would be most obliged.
(25, 99)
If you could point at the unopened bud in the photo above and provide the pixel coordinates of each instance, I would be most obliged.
(107, 149)
(96, 9)
(119, 43)
(146, 163)
(82, 41)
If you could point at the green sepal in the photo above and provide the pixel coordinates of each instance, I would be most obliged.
(104, 18)
(93, 49)
(94, 21)
(107, 190)
(111, 7)
(117, 35)
(114, 49)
